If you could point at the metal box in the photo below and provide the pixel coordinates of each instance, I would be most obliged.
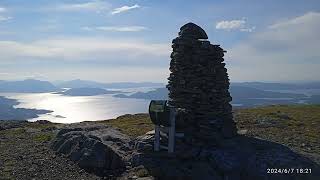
(159, 112)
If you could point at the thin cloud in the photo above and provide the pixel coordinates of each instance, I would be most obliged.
(86, 28)
(88, 6)
(5, 18)
(287, 50)
(6, 32)
(230, 25)
(2, 9)
(117, 28)
(81, 49)
(240, 24)
(124, 9)
(306, 18)
(248, 29)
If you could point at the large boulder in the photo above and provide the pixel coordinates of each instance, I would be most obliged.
(238, 158)
(97, 148)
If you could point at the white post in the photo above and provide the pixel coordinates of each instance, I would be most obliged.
(172, 130)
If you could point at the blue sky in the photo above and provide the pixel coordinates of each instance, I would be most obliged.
(130, 40)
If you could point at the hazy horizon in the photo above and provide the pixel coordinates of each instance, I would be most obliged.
(130, 41)
(66, 80)
(164, 82)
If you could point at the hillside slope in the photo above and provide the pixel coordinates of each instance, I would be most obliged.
(294, 126)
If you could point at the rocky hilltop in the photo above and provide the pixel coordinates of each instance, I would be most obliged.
(270, 137)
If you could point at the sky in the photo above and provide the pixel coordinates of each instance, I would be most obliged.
(130, 40)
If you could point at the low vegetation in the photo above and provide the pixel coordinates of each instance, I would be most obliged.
(296, 126)
(132, 125)
(43, 137)
(24, 144)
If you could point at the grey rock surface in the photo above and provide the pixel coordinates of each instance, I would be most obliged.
(97, 148)
(192, 30)
(238, 158)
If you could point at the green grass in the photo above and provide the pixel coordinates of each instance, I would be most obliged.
(297, 126)
(39, 126)
(7, 170)
(13, 132)
(43, 137)
(132, 125)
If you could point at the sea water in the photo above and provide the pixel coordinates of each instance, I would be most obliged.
(70, 109)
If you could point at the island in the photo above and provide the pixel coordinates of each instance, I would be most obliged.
(86, 91)
(241, 95)
(8, 111)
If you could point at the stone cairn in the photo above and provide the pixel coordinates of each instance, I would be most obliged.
(198, 87)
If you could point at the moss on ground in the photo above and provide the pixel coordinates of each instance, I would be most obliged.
(43, 137)
(132, 125)
(143, 172)
(14, 132)
(296, 126)
(6, 169)
(39, 126)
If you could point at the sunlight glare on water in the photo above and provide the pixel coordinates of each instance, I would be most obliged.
(70, 109)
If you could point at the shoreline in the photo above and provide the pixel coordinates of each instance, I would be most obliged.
(8, 111)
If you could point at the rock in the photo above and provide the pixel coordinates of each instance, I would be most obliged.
(239, 158)
(9, 124)
(198, 86)
(284, 116)
(43, 122)
(137, 159)
(243, 131)
(95, 148)
(146, 178)
(201, 170)
(225, 160)
(193, 30)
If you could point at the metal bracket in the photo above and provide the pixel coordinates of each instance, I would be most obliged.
(171, 133)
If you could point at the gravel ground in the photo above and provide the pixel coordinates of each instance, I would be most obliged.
(25, 154)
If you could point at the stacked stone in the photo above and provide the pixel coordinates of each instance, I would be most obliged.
(198, 85)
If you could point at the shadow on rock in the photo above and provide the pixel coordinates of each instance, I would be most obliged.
(109, 153)
(237, 158)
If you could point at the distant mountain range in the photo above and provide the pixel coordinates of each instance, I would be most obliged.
(37, 86)
(117, 85)
(32, 85)
(241, 95)
(86, 92)
(246, 93)
(27, 86)
(279, 86)
(158, 94)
